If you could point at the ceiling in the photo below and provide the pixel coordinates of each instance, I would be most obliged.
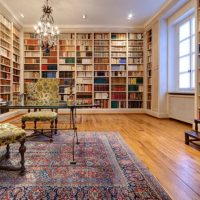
(100, 13)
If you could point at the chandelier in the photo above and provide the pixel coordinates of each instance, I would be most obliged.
(45, 30)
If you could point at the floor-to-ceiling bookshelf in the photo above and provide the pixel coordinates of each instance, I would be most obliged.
(5, 56)
(149, 68)
(104, 68)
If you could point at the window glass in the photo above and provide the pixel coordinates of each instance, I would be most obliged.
(184, 31)
(184, 47)
(193, 26)
(193, 44)
(184, 64)
(184, 80)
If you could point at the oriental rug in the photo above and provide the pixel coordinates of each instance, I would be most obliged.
(106, 169)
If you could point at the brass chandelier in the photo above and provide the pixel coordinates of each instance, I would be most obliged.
(45, 30)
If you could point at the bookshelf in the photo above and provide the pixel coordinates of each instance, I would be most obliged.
(16, 70)
(84, 68)
(135, 70)
(118, 70)
(67, 57)
(31, 58)
(149, 68)
(197, 90)
(5, 56)
(102, 69)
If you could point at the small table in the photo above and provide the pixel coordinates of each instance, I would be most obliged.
(54, 107)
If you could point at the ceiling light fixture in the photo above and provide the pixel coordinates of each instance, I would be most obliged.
(46, 31)
(84, 16)
(130, 16)
(22, 15)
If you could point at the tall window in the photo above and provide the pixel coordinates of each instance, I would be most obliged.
(186, 53)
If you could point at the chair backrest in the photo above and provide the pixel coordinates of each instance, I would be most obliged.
(43, 92)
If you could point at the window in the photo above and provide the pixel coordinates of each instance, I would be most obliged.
(186, 54)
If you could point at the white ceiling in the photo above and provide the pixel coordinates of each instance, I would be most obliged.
(100, 13)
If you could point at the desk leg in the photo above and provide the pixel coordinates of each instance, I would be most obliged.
(73, 111)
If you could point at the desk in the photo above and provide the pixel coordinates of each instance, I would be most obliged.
(54, 107)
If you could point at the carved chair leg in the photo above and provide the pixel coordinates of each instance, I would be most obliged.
(56, 125)
(7, 155)
(186, 139)
(22, 150)
(23, 124)
(35, 126)
(52, 127)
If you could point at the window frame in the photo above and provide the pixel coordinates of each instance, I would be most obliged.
(191, 53)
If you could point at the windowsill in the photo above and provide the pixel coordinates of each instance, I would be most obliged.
(182, 93)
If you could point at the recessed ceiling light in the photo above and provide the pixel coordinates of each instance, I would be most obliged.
(22, 15)
(84, 16)
(130, 16)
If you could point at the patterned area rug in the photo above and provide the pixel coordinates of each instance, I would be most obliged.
(105, 169)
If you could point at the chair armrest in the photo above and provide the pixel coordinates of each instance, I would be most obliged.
(196, 121)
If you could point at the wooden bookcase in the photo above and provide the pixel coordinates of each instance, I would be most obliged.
(100, 67)
(135, 70)
(118, 70)
(16, 70)
(67, 58)
(84, 68)
(149, 68)
(5, 56)
(31, 58)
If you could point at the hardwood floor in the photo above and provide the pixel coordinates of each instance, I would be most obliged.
(159, 144)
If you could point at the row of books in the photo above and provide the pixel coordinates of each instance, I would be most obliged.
(135, 60)
(84, 36)
(16, 79)
(67, 54)
(101, 43)
(118, 60)
(83, 43)
(83, 88)
(48, 74)
(102, 102)
(135, 88)
(16, 88)
(67, 60)
(31, 42)
(84, 60)
(5, 75)
(135, 104)
(101, 73)
(66, 90)
(31, 54)
(49, 67)
(5, 22)
(84, 74)
(133, 54)
(118, 67)
(101, 48)
(118, 36)
(118, 96)
(84, 54)
(83, 48)
(4, 82)
(135, 43)
(135, 73)
(49, 60)
(101, 54)
(84, 101)
(118, 88)
(135, 36)
(4, 52)
(66, 74)
(101, 60)
(135, 48)
(84, 67)
(101, 95)
(118, 81)
(66, 67)
(16, 58)
(5, 68)
(67, 82)
(118, 73)
(84, 80)
(134, 81)
(101, 80)
(31, 48)
(118, 104)
(67, 48)
(31, 75)
(101, 88)
(16, 72)
(102, 67)
(135, 96)
(31, 67)
(67, 36)
(4, 89)
(118, 43)
(118, 54)
(32, 60)
(67, 42)
(101, 36)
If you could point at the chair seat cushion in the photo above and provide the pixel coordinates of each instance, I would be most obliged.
(40, 116)
(10, 134)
